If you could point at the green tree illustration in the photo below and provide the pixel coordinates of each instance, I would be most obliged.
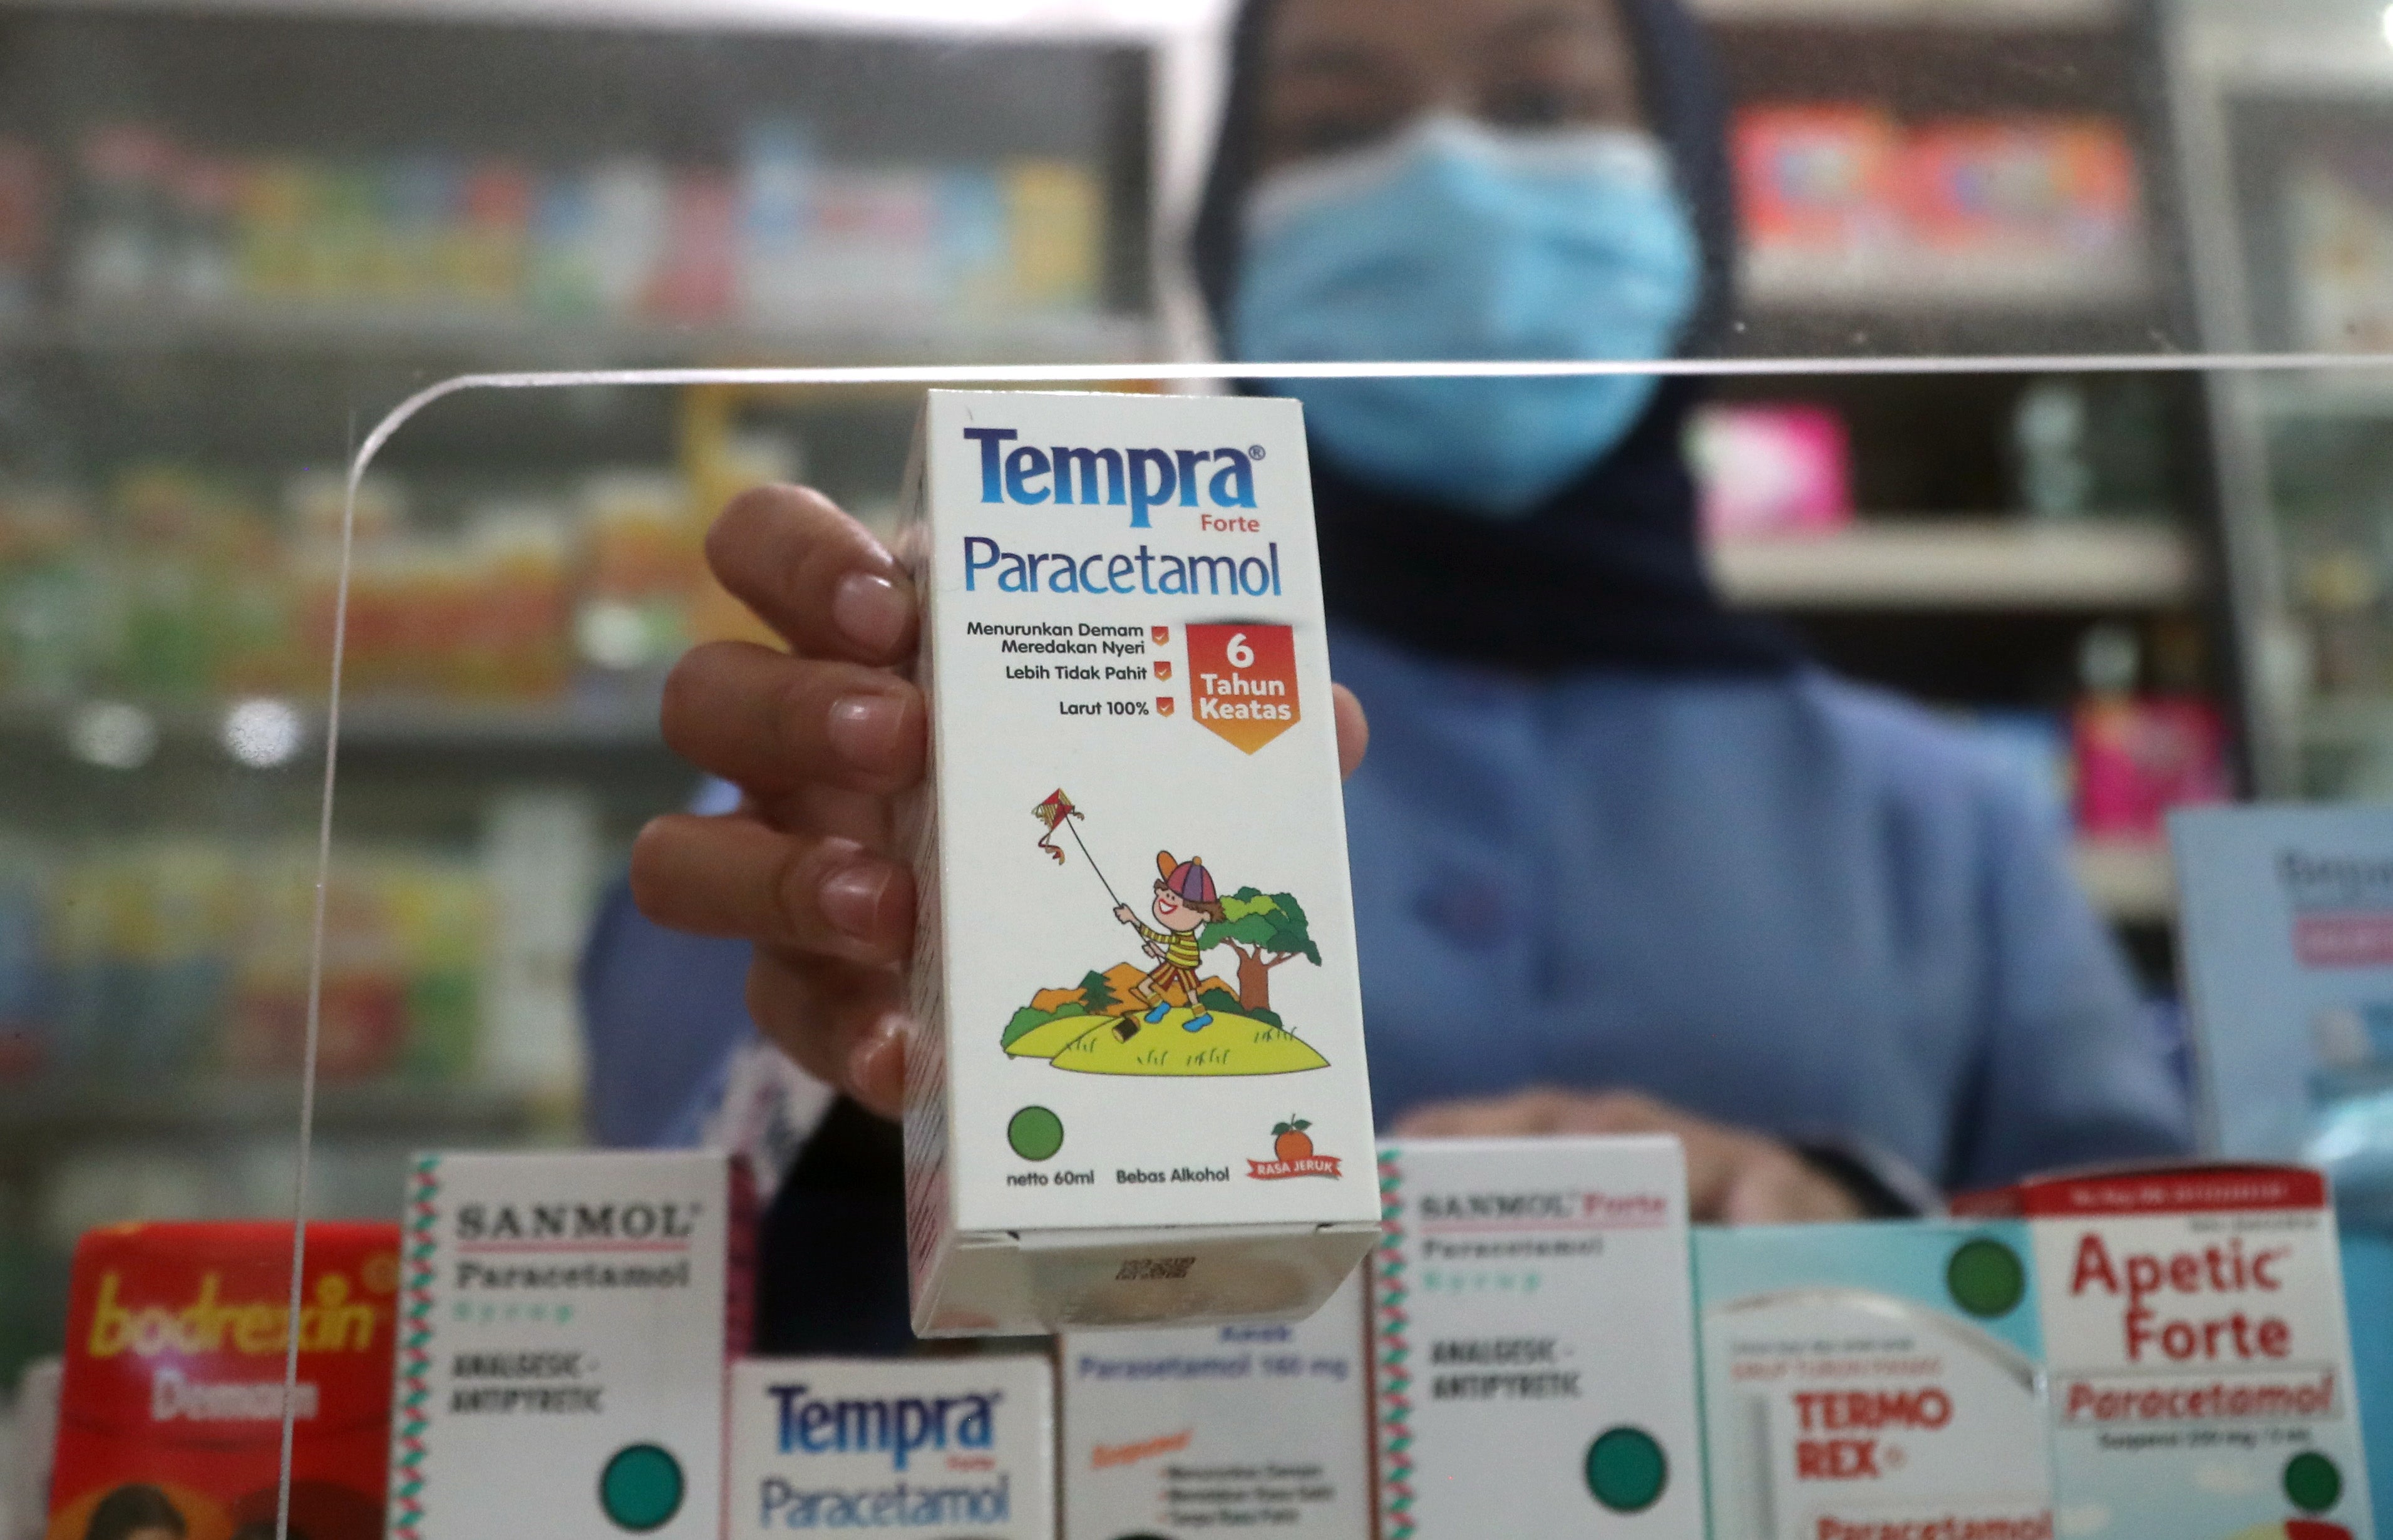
(1265, 930)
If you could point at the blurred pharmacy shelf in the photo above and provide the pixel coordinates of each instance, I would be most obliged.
(516, 341)
(2033, 288)
(46, 1118)
(1964, 564)
(623, 720)
(2128, 881)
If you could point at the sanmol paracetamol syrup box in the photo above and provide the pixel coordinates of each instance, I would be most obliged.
(566, 1328)
(1135, 1093)
(2200, 1362)
(170, 1422)
(1259, 1428)
(1533, 1340)
(935, 1448)
(1872, 1382)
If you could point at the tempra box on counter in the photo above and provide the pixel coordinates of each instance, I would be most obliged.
(1871, 1380)
(1533, 1340)
(2198, 1355)
(563, 1337)
(943, 1448)
(1135, 1088)
(170, 1418)
(1251, 1428)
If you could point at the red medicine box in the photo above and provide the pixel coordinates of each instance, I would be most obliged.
(170, 1422)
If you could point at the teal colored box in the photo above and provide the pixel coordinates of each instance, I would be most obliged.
(1861, 1381)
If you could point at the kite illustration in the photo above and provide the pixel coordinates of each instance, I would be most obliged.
(1054, 813)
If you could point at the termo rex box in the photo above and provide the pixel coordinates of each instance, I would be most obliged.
(1135, 1092)
(2199, 1360)
(941, 1448)
(1533, 1340)
(1256, 1428)
(171, 1416)
(1870, 1380)
(563, 1335)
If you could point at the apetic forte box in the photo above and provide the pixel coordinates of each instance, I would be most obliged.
(170, 1422)
(1872, 1382)
(564, 1334)
(1252, 1429)
(941, 1448)
(2198, 1359)
(1533, 1340)
(1136, 1090)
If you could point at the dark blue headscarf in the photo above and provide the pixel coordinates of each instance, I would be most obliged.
(1609, 571)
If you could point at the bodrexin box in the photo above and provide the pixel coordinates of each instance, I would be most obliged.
(1261, 1428)
(1533, 1340)
(1872, 1382)
(1135, 1094)
(935, 1448)
(563, 1336)
(171, 1416)
(2198, 1353)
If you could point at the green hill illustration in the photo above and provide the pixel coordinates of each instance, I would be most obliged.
(1080, 1029)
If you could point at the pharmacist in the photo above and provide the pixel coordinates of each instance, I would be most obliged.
(1622, 859)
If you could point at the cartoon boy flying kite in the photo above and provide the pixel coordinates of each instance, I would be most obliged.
(1185, 901)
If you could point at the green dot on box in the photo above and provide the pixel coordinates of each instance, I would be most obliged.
(1626, 1470)
(2312, 1482)
(1035, 1133)
(1986, 1278)
(641, 1488)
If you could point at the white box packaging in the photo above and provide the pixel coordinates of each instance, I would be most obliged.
(564, 1329)
(941, 1448)
(1135, 1090)
(1259, 1428)
(1864, 1381)
(1533, 1340)
(2198, 1358)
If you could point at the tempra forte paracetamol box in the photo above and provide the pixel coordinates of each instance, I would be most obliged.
(941, 1448)
(2199, 1360)
(1135, 1092)
(563, 1331)
(1249, 1428)
(1872, 1382)
(1533, 1340)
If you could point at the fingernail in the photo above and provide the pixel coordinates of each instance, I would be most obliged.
(863, 729)
(852, 898)
(870, 613)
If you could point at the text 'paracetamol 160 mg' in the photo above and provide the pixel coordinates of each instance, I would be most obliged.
(1872, 1382)
(939, 1448)
(1252, 1429)
(1533, 1340)
(563, 1337)
(2198, 1358)
(1135, 1092)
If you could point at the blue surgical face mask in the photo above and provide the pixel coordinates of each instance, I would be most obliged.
(1459, 242)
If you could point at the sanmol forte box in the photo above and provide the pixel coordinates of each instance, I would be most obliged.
(1136, 1094)
(2200, 1362)
(1872, 1382)
(939, 1448)
(1534, 1341)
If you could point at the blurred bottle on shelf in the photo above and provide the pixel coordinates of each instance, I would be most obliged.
(2140, 754)
(2338, 223)
(1781, 469)
(25, 224)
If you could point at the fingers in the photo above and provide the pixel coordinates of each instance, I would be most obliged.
(842, 1024)
(1354, 730)
(813, 575)
(770, 722)
(734, 876)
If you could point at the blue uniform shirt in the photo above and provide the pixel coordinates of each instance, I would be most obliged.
(1786, 903)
